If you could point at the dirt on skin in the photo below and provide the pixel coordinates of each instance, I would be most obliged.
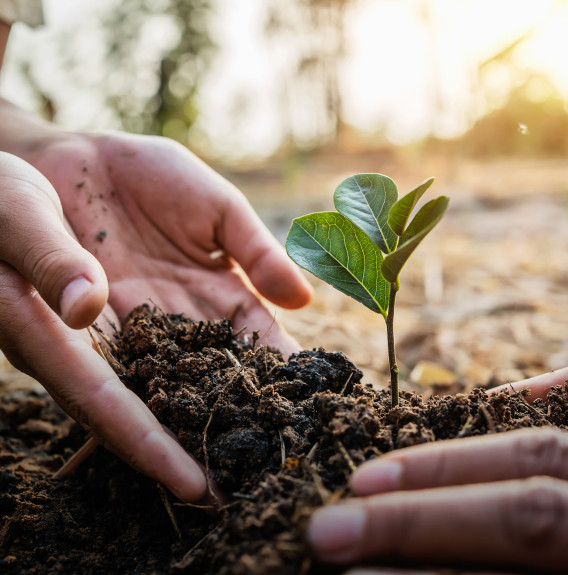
(279, 439)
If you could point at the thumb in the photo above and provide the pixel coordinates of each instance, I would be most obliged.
(35, 242)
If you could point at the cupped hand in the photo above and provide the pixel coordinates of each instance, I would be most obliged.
(498, 501)
(45, 275)
(153, 215)
(167, 228)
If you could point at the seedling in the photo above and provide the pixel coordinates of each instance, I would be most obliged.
(361, 249)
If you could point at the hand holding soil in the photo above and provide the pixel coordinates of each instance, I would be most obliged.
(164, 215)
(486, 501)
(175, 231)
(283, 439)
(40, 254)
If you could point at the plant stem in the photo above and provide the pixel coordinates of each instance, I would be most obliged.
(390, 342)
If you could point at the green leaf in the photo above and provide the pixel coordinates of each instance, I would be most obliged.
(424, 221)
(400, 212)
(366, 200)
(335, 250)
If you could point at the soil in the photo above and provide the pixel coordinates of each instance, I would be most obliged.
(280, 439)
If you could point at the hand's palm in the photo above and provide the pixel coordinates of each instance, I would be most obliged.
(154, 216)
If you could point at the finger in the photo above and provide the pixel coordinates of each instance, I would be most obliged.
(245, 238)
(85, 386)
(511, 455)
(214, 294)
(395, 571)
(539, 385)
(511, 524)
(36, 243)
(387, 571)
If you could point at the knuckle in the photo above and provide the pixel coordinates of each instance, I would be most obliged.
(535, 515)
(542, 452)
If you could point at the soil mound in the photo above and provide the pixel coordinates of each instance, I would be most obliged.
(279, 439)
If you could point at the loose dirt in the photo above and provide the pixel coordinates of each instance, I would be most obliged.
(278, 438)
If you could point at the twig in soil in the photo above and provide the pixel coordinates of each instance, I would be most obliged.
(167, 504)
(210, 489)
(526, 403)
(233, 359)
(187, 559)
(248, 383)
(193, 505)
(196, 333)
(237, 333)
(269, 328)
(290, 478)
(267, 374)
(321, 488)
(164, 314)
(245, 496)
(346, 456)
(282, 448)
(488, 418)
(112, 324)
(346, 384)
(466, 426)
(312, 451)
(104, 352)
(104, 336)
(72, 464)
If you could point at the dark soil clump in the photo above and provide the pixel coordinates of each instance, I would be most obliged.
(278, 438)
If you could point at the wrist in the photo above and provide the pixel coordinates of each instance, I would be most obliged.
(23, 134)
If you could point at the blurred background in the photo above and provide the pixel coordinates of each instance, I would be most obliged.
(286, 99)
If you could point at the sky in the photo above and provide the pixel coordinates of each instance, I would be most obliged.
(399, 75)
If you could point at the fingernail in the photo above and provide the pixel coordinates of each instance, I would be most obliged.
(376, 477)
(335, 532)
(74, 291)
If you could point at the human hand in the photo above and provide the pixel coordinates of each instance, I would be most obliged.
(154, 215)
(144, 260)
(38, 253)
(539, 385)
(494, 501)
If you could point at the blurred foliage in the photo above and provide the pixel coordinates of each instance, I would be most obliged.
(317, 30)
(524, 125)
(150, 58)
(168, 106)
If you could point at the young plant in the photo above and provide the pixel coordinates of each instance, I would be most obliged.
(361, 249)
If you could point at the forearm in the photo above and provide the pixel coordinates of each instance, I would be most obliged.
(4, 33)
(21, 133)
